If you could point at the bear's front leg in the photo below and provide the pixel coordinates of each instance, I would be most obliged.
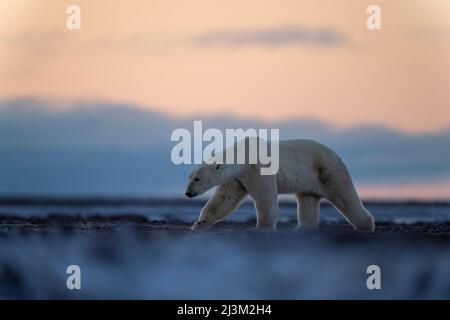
(265, 195)
(307, 212)
(266, 213)
(226, 198)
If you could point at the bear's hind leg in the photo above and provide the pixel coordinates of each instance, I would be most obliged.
(344, 197)
(307, 211)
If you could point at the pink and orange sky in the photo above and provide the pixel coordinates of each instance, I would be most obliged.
(273, 60)
(151, 53)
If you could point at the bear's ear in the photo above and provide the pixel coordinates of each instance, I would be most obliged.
(217, 167)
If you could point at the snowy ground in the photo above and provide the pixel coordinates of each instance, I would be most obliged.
(146, 250)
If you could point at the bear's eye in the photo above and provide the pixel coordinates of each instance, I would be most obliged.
(196, 179)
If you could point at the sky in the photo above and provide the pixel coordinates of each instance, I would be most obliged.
(268, 61)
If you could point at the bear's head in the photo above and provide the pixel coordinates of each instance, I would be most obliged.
(208, 176)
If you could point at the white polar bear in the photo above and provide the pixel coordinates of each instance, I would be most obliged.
(307, 168)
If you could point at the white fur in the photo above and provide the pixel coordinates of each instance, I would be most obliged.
(308, 169)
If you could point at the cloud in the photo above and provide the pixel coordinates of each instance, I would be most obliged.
(99, 147)
(273, 37)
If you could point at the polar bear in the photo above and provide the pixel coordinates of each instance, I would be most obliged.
(307, 168)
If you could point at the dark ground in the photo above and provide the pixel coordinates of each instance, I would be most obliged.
(129, 256)
(97, 226)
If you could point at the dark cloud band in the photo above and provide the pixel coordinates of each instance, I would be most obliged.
(95, 146)
(273, 37)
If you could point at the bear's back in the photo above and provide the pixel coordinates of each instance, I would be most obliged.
(300, 160)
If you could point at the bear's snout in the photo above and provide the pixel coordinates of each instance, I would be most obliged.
(189, 194)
